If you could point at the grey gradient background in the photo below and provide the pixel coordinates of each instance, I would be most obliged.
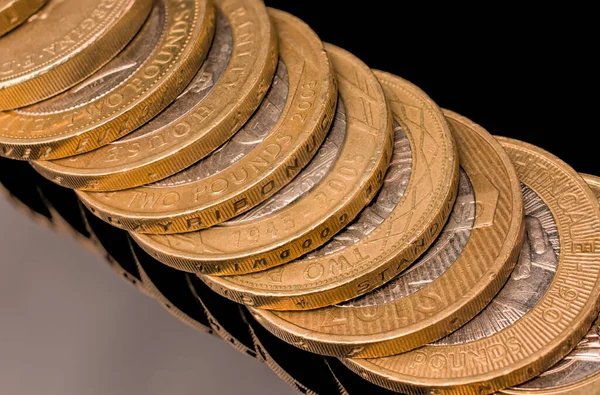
(69, 325)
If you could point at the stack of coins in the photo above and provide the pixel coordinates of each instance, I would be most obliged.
(326, 218)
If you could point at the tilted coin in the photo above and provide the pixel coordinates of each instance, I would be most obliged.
(222, 96)
(59, 46)
(454, 280)
(579, 372)
(322, 199)
(545, 308)
(169, 288)
(403, 220)
(275, 144)
(15, 12)
(127, 92)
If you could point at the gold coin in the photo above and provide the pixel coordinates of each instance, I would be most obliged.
(545, 308)
(395, 230)
(135, 86)
(15, 12)
(346, 173)
(579, 372)
(222, 96)
(457, 277)
(261, 158)
(61, 45)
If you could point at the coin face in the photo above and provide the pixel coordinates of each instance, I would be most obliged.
(126, 93)
(579, 372)
(15, 12)
(547, 305)
(258, 241)
(440, 291)
(62, 44)
(394, 231)
(272, 148)
(228, 88)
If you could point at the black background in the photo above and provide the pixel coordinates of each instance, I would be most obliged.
(518, 73)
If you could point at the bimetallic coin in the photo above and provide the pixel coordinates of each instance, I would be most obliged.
(389, 236)
(59, 46)
(123, 95)
(579, 372)
(467, 264)
(15, 12)
(345, 176)
(545, 308)
(222, 96)
(264, 156)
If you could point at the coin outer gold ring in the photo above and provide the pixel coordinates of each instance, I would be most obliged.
(187, 35)
(452, 299)
(216, 118)
(17, 12)
(591, 384)
(91, 53)
(407, 232)
(294, 139)
(544, 335)
(315, 217)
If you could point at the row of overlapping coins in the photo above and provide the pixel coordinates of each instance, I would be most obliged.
(352, 215)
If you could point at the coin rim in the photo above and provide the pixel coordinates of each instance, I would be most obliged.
(23, 9)
(312, 131)
(131, 113)
(217, 129)
(351, 202)
(461, 308)
(329, 293)
(68, 69)
(543, 357)
(581, 387)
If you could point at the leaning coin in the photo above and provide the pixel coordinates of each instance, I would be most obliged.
(403, 220)
(278, 141)
(545, 308)
(61, 45)
(579, 372)
(343, 177)
(126, 93)
(222, 96)
(468, 263)
(15, 12)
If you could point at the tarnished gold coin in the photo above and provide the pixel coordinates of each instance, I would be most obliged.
(126, 93)
(222, 96)
(344, 176)
(61, 45)
(468, 263)
(399, 225)
(545, 308)
(275, 144)
(15, 12)
(579, 372)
